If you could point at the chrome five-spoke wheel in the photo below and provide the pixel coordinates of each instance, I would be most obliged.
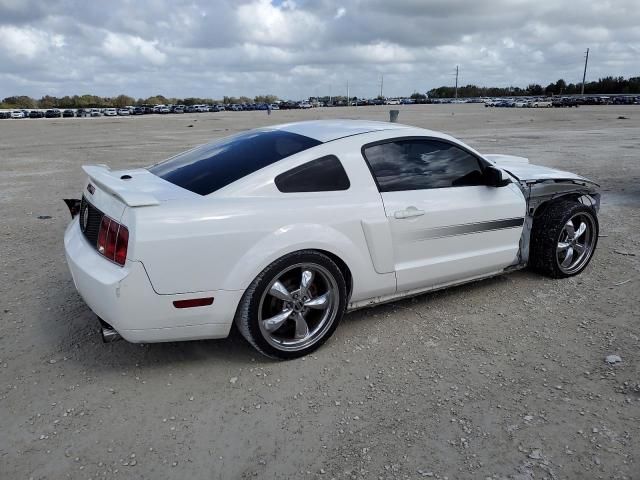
(563, 238)
(576, 243)
(294, 305)
(298, 306)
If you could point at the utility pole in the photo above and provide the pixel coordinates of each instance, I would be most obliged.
(584, 75)
(348, 99)
(456, 81)
(381, 86)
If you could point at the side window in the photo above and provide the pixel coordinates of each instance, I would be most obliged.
(325, 174)
(422, 164)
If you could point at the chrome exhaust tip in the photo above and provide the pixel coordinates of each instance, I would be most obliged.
(109, 334)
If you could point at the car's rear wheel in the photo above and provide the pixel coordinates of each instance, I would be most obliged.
(563, 239)
(293, 306)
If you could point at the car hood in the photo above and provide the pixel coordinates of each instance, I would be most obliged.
(520, 168)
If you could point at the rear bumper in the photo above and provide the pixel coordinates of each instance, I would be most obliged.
(124, 298)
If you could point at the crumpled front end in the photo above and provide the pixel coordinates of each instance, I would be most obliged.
(540, 186)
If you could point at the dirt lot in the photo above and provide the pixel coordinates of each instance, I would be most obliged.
(503, 378)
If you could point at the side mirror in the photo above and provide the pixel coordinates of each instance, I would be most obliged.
(493, 177)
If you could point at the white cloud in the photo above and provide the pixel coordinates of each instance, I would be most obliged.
(26, 42)
(121, 46)
(264, 23)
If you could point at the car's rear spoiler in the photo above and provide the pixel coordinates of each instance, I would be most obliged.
(102, 176)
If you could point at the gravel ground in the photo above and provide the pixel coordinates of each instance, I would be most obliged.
(503, 378)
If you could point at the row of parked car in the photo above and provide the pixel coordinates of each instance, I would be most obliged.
(67, 113)
(519, 103)
(147, 109)
(560, 102)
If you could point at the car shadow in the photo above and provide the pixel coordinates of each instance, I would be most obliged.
(67, 329)
(79, 339)
(448, 294)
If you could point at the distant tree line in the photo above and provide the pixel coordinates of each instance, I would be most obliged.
(93, 101)
(602, 86)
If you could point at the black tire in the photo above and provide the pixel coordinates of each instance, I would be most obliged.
(248, 314)
(546, 235)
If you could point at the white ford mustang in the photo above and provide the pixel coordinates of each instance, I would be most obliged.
(283, 229)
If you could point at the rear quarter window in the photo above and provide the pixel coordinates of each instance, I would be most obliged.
(208, 168)
(324, 174)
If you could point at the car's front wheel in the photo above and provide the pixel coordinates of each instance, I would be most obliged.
(293, 306)
(563, 239)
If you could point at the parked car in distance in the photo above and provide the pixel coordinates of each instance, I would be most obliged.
(17, 114)
(95, 112)
(274, 106)
(541, 104)
(36, 114)
(137, 111)
(123, 112)
(564, 102)
(68, 113)
(110, 112)
(53, 113)
(4, 115)
(282, 229)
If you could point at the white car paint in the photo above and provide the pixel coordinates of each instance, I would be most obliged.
(427, 254)
(183, 245)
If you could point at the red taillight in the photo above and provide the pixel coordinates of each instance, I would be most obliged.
(122, 242)
(102, 234)
(112, 235)
(113, 240)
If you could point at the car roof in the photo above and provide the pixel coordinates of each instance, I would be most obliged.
(328, 130)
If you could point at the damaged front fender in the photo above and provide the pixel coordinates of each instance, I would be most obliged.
(542, 192)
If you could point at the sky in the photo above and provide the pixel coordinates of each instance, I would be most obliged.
(301, 48)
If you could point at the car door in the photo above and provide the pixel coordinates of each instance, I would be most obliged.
(447, 225)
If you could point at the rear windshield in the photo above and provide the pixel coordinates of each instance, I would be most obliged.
(210, 167)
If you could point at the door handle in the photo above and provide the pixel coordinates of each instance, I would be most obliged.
(408, 213)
